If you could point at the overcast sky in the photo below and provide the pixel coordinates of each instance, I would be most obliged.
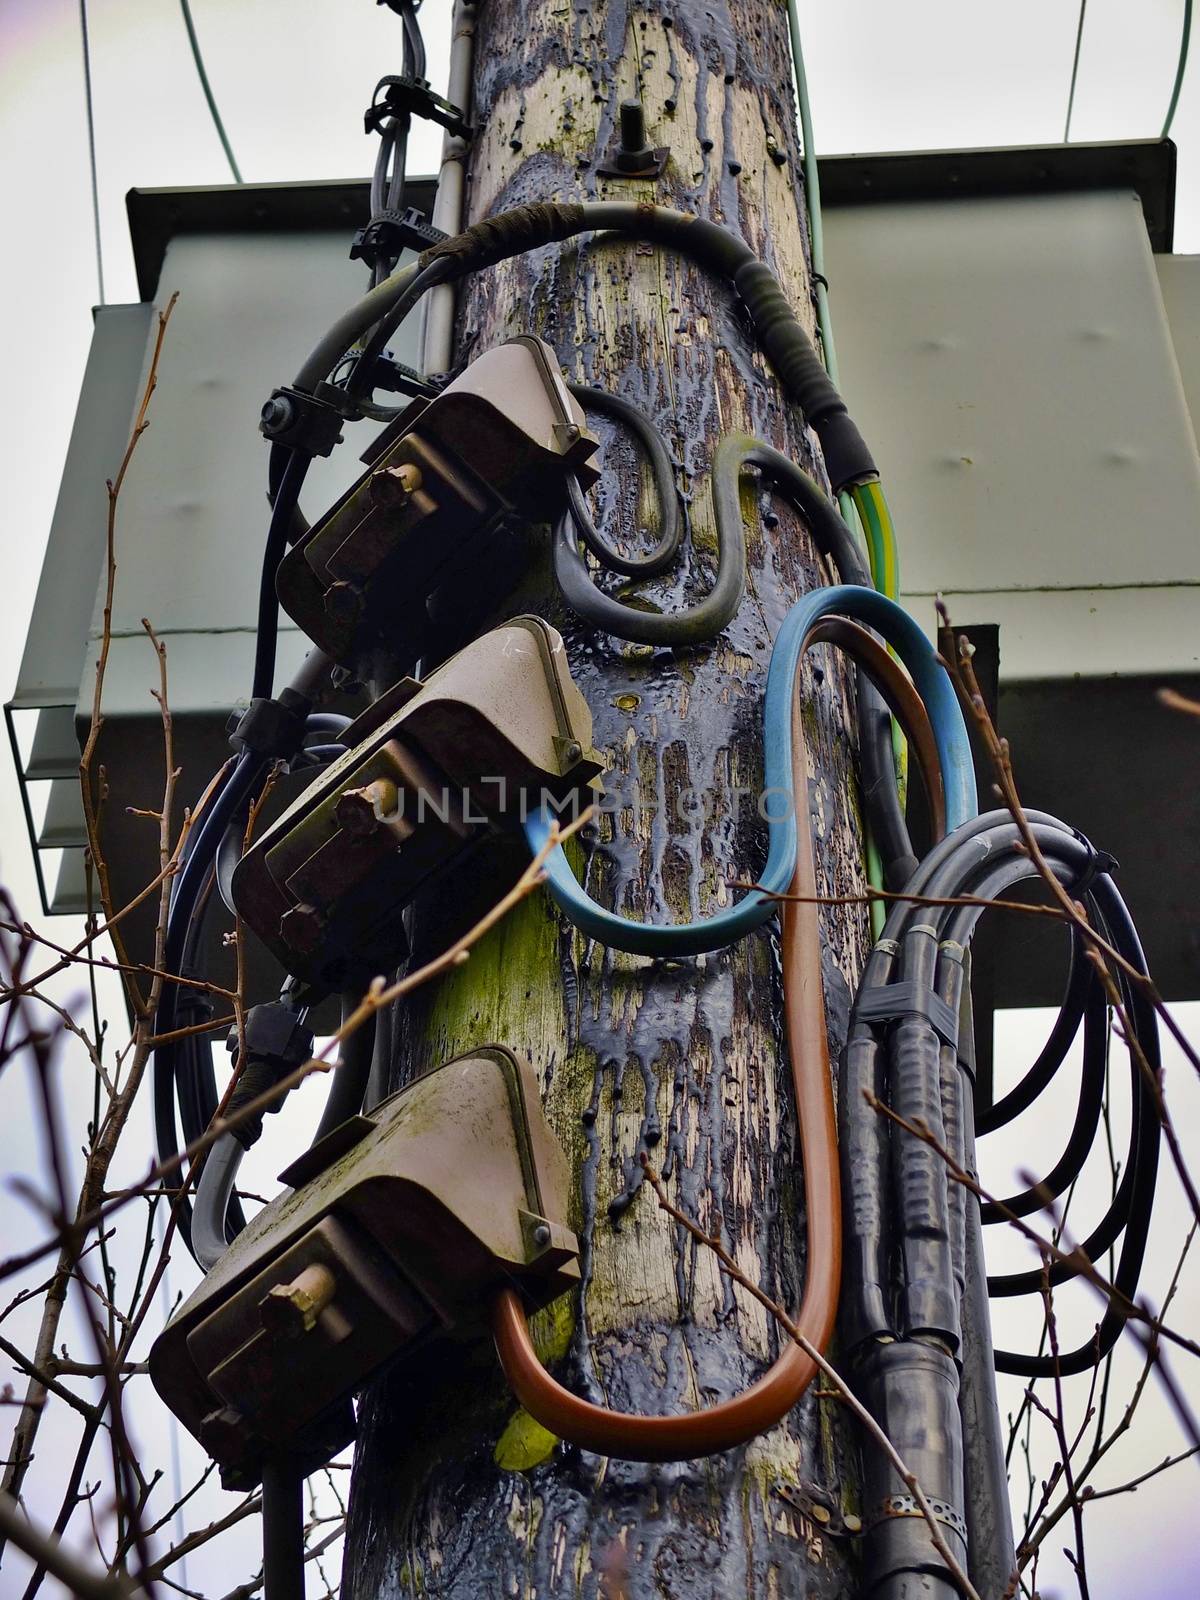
(292, 77)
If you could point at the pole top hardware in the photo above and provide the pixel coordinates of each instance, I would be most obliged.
(396, 1230)
(407, 95)
(431, 769)
(495, 447)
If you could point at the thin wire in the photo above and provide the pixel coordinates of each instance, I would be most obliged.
(208, 94)
(1184, 43)
(91, 132)
(1074, 72)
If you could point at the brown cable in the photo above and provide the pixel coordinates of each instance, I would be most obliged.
(903, 701)
(759, 1408)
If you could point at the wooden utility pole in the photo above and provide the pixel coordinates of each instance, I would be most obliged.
(456, 1492)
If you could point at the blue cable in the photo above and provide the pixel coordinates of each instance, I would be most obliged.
(724, 927)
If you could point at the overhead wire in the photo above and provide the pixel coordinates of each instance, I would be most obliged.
(85, 41)
(1181, 68)
(1074, 71)
(206, 86)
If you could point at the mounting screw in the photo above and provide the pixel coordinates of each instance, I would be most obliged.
(391, 487)
(290, 1309)
(573, 751)
(343, 601)
(301, 927)
(361, 811)
(277, 414)
(541, 1234)
(633, 156)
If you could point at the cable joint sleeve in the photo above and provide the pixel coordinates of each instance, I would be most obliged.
(791, 352)
(509, 233)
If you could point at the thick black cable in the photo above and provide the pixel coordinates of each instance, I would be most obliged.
(986, 857)
(202, 74)
(283, 1532)
(781, 335)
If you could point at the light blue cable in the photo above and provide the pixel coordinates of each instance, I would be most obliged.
(725, 926)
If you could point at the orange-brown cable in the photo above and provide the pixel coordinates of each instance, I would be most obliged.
(760, 1407)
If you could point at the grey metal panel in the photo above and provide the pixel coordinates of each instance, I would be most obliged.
(69, 896)
(1179, 280)
(54, 650)
(194, 513)
(1147, 166)
(156, 216)
(54, 752)
(63, 826)
(1009, 360)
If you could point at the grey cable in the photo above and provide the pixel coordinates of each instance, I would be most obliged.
(209, 1241)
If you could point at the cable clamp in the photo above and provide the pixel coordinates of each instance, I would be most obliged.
(300, 421)
(276, 1043)
(905, 1505)
(273, 728)
(405, 95)
(904, 1002)
(391, 231)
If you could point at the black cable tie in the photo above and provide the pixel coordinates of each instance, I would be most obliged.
(193, 1004)
(276, 1043)
(405, 95)
(901, 1002)
(391, 231)
(1099, 864)
(819, 277)
(272, 728)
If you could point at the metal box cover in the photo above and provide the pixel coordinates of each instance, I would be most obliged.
(449, 1189)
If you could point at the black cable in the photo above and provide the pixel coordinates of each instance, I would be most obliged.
(285, 498)
(1128, 1215)
(189, 884)
(985, 859)
(1053, 1053)
(662, 469)
(361, 379)
(202, 74)
(348, 1082)
(1088, 1110)
(283, 1532)
(91, 135)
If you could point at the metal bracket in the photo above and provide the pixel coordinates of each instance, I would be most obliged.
(631, 156)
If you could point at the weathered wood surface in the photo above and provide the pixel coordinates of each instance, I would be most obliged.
(455, 1492)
